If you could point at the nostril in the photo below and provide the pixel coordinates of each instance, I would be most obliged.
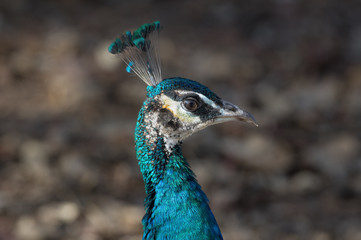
(229, 106)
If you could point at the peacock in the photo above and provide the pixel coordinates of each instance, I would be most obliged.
(174, 108)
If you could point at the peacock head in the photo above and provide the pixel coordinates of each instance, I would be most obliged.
(175, 107)
(180, 107)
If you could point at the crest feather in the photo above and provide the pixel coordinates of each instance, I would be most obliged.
(139, 50)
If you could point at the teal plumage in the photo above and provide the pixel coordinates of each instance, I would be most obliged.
(175, 108)
(138, 38)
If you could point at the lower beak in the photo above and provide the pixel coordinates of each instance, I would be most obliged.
(231, 112)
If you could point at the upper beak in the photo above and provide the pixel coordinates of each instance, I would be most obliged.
(232, 112)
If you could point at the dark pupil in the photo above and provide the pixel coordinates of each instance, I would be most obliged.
(190, 104)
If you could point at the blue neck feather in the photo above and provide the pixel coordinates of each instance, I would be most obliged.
(176, 207)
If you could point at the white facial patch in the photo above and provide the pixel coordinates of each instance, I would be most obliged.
(204, 99)
(191, 122)
(178, 111)
(201, 96)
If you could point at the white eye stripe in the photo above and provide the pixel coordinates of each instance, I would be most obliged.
(201, 96)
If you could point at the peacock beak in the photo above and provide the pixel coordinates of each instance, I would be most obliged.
(232, 112)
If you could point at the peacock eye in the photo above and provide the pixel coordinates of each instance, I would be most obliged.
(190, 104)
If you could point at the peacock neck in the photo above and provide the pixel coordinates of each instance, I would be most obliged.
(156, 157)
(176, 207)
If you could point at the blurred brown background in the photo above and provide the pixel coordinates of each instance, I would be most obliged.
(68, 111)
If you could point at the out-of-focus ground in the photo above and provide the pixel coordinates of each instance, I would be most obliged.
(68, 111)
